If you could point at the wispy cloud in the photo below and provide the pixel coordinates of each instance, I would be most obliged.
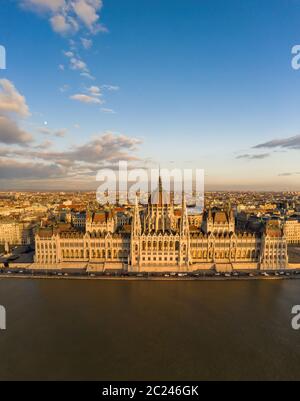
(112, 88)
(86, 43)
(56, 133)
(44, 145)
(83, 98)
(288, 174)
(13, 169)
(64, 88)
(93, 95)
(77, 64)
(292, 142)
(248, 156)
(107, 111)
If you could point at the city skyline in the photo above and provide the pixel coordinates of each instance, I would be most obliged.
(91, 83)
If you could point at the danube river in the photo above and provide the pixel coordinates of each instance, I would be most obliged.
(123, 330)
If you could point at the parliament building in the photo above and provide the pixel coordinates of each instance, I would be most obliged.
(160, 237)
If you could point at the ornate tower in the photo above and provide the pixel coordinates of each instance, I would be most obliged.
(159, 215)
(184, 222)
(185, 256)
(136, 231)
(136, 228)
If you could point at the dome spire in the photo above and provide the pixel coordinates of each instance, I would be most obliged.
(160, 189)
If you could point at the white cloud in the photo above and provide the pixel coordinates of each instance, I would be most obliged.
(60, 24)
(92, 96)
(72, 44)
(78, 64)
(87, 75)
(94, 91)
(107, 111)
(86, 11)
(69, 54)
(68, 16)
(11, 100)
(86, 43)
(64, 88)
(44, 5)
(112, 88)
(86, 98)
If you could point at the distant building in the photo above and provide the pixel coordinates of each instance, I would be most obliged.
(78, 220)
(292, 231)
(101, 221)
(16, 232)
(219, 221)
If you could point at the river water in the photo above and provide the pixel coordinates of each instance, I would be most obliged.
(149, 330)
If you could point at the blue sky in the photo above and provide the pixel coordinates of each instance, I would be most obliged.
(182, 83)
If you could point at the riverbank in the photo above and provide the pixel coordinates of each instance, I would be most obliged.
(67, 276)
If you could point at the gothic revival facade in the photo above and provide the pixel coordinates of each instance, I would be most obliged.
(161, 237)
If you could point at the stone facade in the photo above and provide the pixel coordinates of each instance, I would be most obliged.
(292, 231)
(16, 232)
(161, 238)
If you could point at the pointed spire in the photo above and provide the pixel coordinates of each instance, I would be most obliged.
(160, 189)
(136, 227)
(184, 222)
